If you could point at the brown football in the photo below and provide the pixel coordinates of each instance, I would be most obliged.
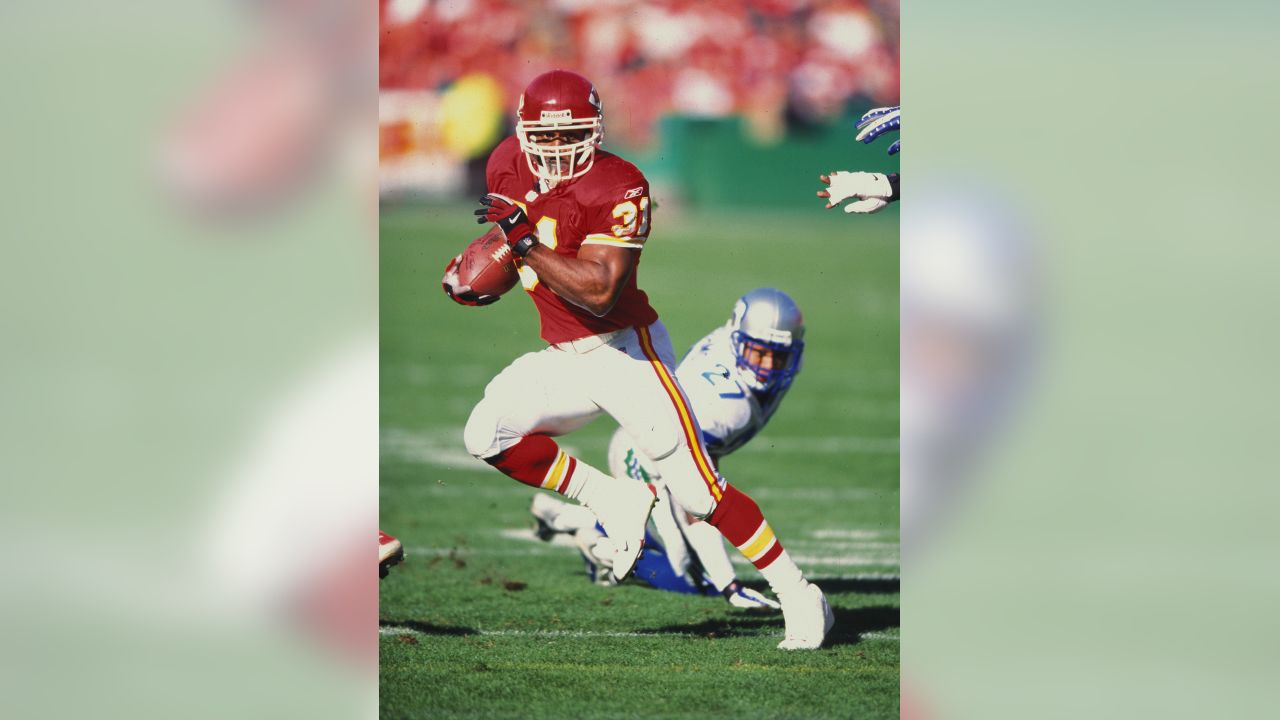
(488, 265)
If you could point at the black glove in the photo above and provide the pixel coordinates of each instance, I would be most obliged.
(507, 214)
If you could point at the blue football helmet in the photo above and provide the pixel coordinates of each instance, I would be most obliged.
(767, 332)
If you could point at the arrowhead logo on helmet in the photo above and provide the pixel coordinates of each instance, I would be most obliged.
(559, 123)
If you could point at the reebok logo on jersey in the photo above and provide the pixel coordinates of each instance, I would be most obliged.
(633, 192)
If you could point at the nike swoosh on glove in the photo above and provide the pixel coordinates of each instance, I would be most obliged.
(504, 212)
(871, 191)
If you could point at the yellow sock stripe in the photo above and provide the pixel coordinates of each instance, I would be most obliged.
(553, 475)
(765, 550)
(759, 543)
(686, 417)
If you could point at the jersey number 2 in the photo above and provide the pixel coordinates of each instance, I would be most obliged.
(712, 377)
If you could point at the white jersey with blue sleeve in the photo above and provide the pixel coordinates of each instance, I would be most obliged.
(729, 413)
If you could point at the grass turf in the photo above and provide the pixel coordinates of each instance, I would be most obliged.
(480, 622)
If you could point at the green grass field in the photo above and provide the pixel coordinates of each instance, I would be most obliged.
(478, 622)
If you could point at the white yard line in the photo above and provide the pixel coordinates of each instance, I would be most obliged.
(444, 449)
(804, 552)
(850, 534)
(856, 576)
(437, 448)
(832, 445)
(400, 630)
(548, 549)
(394, 630)
(833, 560)
(840, 554)
(812, 495)
(497, 486)
(527, 535)
(804, 560)
(802, 545)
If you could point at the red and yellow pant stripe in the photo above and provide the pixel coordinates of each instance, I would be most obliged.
(561, 471)
(687, 422)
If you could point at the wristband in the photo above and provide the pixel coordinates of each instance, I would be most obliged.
(522, 246)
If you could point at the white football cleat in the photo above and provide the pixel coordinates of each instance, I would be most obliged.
(807, 616)
(597, 552)
(741, 596)
(545, 509)
(624, 513)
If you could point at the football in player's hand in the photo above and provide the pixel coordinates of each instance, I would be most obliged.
(488, 265)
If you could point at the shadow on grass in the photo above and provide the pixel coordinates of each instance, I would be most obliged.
(869, 586)
(427, 628)
(842, 586)
(851, 624)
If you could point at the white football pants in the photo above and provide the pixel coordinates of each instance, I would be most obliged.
(628, 374)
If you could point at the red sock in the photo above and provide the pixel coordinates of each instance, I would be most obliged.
(739, 519)
(539, 462)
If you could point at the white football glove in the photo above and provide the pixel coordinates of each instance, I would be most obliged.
(873, 191)
(741, 596)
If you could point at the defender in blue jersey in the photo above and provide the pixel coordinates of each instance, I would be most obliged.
(735, 379)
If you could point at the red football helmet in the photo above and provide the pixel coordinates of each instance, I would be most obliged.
(564, 105)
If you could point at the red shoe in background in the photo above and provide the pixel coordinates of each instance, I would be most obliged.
(390, 552)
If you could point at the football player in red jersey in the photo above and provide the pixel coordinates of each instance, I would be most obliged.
(577, 218)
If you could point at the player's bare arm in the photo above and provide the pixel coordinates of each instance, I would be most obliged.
(593, 281)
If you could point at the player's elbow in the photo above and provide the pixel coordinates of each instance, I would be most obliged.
(600, 302)
(606, 271)
(600, 295)
(600, 305)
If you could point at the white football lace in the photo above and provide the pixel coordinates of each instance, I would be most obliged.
(500, 252)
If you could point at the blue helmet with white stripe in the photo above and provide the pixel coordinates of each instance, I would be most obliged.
(767, 332)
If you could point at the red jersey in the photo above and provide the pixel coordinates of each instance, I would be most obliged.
(607, 206)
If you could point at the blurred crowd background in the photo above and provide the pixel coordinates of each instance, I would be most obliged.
(451, 73)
